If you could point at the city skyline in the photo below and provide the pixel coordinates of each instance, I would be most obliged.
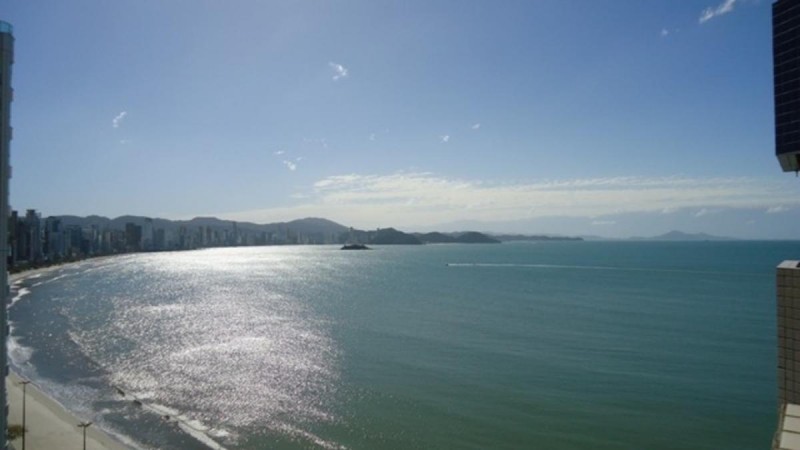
(590, 118)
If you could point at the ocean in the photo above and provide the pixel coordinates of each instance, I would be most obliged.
(551, 345)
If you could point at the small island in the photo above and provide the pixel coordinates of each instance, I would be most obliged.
(355, 247)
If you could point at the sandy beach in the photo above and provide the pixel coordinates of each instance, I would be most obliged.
(50, 425)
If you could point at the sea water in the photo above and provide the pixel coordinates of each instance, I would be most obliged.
(555, 345)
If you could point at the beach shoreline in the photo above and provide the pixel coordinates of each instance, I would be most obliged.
(16, 276)
(50, 424)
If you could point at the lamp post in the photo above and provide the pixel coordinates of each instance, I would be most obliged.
(84, 425)
(24, 384)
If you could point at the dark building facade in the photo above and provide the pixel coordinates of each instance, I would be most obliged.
(6, 95)
(786, 59)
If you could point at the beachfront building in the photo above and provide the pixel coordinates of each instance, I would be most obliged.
(786, 60)
(6, 94)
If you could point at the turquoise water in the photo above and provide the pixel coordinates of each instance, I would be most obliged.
(562, 345)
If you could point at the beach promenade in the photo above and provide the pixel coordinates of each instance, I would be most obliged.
(50, 426)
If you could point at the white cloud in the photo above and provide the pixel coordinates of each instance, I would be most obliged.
(278, 153)
(372, 137)
(290, 165)
(370, 200)
(603, 222)
(777, 209)
(124, 141)
(116, 121)
(704, 212)
(664, 32)
(444, 138)
(711, 12)
(476, 126)
(339, 71)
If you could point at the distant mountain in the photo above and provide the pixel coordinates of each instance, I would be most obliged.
(473, 237)
(467, 237)
(534, 237)
(435, 238)
(594, 237)
(316, 225)
(309, 225)
(390, 236)
(675, 235)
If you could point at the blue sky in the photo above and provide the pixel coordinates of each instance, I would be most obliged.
(588, 117)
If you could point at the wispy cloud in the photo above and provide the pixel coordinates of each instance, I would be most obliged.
(382, 199)
(444, 138)
(476, 126)
(290, 165)
(320, 141)
(116, 121)
(603, 222)
(339, 71)
(715, 11)
(704, 212)
(664, 32)
(777, 209)
(278, 153)
(372, 137)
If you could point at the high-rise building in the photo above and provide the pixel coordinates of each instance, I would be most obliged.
(6, 94)
(786, 60)
(147, 234)
(34, 222)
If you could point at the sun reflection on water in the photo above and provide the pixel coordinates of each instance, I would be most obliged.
(221, 336)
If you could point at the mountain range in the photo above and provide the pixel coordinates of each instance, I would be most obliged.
(319, 227)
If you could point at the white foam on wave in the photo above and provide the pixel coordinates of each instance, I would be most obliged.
(22, 292)
(32, 276)
(311, 437)
(193, 423)
(19, 353)
(50, 280)
(193, 427)
(146, 395)
(189, 425)
(200, 436)
(163, 410)
(219, 432)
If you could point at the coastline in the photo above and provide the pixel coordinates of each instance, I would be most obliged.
(16, 276)
(50, 425)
